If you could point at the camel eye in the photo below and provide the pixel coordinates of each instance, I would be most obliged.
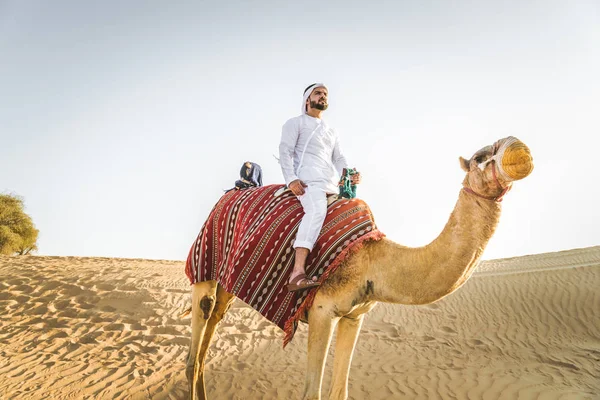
(481, 158)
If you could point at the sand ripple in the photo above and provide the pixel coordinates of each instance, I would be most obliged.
(74, 328)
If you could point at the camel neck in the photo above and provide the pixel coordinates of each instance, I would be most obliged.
(425, 274)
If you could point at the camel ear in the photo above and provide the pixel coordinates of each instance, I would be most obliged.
(464, 164)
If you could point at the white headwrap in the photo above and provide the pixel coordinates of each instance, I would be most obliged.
(308, 92)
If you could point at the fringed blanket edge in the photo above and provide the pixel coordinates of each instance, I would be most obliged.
(307, 303)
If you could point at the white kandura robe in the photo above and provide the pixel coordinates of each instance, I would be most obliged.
(310, 151)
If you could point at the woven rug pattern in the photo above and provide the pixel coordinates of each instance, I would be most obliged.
(246, 245)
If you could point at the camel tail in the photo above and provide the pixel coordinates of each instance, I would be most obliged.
(185, 313)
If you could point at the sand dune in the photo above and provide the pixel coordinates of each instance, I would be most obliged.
(521, 328)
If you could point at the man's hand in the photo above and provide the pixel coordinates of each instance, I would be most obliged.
(356, 178)
(297, 187)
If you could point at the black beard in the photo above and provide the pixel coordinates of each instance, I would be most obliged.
(318, 106)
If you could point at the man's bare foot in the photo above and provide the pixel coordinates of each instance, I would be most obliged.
(298, 279)
(301, 282)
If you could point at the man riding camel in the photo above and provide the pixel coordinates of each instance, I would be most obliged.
(312, 164)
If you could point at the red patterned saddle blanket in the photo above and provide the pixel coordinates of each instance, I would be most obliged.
(246, 245)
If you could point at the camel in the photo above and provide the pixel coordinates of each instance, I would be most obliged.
(382, 271)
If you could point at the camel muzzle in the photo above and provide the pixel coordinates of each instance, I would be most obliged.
(517, 162)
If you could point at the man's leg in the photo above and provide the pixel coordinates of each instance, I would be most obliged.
(299, 261)
(314, 202)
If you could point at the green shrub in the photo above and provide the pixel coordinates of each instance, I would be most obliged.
(18, 235)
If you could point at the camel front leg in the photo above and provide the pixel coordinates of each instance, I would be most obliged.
(347, 334)
(321, 323)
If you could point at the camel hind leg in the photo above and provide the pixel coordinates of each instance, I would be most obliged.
(204, 296)
(214, 307)
(224, 302)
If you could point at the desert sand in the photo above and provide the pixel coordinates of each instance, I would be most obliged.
(102, 328)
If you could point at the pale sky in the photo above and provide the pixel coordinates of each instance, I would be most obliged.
(122, 122)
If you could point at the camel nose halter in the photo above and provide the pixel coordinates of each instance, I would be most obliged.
(498, 153)
(493, 198)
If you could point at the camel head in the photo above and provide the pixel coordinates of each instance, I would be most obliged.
(491, 170)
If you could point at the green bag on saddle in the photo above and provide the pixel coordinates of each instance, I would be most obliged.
(347, 189)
